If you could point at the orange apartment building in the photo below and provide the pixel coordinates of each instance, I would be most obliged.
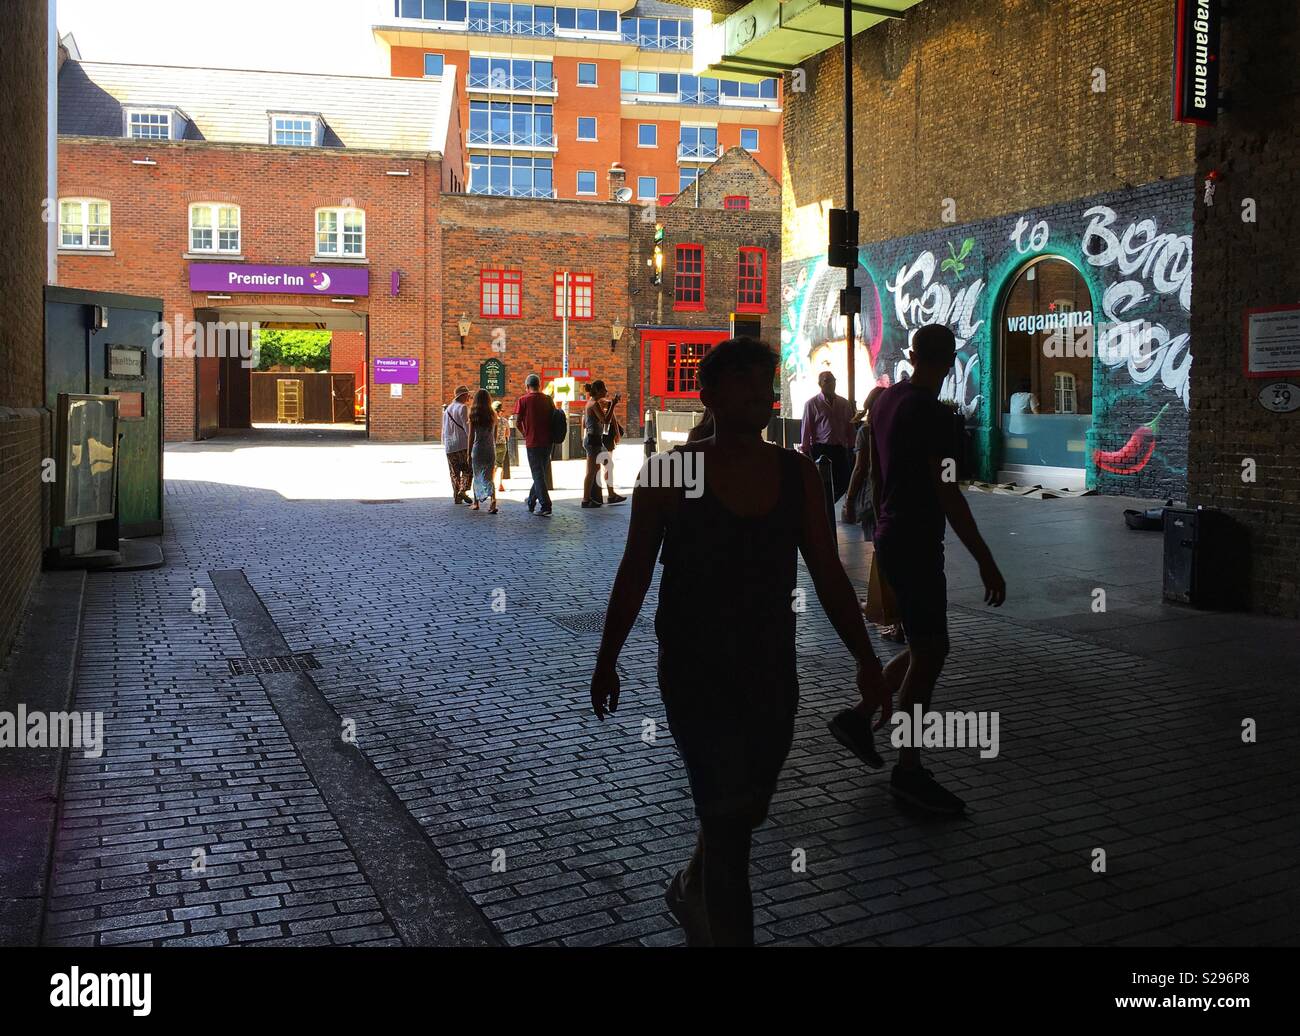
(552, 96)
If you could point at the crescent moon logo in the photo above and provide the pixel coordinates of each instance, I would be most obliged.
(322, 279)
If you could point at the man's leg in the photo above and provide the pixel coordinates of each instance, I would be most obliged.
(728, 901)
(535, 469)
(925, 658)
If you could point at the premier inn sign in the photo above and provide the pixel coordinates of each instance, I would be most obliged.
(1196, 62)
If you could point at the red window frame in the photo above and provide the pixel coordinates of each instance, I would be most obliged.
(736, 202)
(681, 351)
(582, 288)
(688, 282)
(495, 289)
(751, 280)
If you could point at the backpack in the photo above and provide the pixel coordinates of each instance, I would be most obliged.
(559, 426)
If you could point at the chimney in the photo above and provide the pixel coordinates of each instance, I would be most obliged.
(617, 180)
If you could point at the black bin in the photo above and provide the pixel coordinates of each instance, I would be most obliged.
(1206, 559)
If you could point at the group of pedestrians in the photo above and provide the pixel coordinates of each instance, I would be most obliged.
(726, 622)
(475, 435)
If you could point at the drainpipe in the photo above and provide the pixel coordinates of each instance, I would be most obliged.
(850, 272)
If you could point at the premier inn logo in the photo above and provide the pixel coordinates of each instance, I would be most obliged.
(1050, 321)
(75, 989)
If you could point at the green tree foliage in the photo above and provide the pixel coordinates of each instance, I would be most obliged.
(310, 349)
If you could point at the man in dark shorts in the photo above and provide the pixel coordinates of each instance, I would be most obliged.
(915, 488)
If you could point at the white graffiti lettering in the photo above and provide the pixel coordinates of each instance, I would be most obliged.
(1164, 259)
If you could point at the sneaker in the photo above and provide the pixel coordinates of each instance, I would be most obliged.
(852, 729)
(590, 503)
(531, 505)
(615, 498)
(688, 911)
(916, 786)
(546, 512)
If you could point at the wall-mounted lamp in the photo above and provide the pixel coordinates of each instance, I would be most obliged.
(615, 333)
(143, 161)
(463, 326)
(657, 263)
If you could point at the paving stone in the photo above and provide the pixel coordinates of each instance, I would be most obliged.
(489, 746)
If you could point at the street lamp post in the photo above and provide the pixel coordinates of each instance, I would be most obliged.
(849, 271)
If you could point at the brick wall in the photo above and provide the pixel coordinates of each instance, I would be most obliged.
(990, 103)
(348, 353)
(1243, 265)
(25, 429)
(538, 238)
(278, 191)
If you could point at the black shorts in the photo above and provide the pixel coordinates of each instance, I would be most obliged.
(733, 730)
(914, 572)
(593, 446)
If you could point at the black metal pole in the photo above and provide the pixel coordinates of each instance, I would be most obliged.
(850, 273)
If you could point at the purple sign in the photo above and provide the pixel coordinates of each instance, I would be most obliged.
(396, 370)
(280, 280)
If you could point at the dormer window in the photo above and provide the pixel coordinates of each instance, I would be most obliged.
(149, 123)
(295, 130)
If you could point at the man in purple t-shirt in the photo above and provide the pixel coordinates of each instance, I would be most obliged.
(915, 489)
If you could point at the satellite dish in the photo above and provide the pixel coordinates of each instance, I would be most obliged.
(623, 194)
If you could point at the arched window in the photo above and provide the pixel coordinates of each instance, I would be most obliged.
(341, 232)
(85, 223)
(1045, 368)
(214, 227)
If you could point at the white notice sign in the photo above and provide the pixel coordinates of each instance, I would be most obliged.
(1272, 341)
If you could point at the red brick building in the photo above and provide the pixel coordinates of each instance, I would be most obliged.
(174, 177)
(719, 245)
(222, 191)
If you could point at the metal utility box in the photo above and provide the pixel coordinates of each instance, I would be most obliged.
(102, 344)
(1206, 559)
(673, 426)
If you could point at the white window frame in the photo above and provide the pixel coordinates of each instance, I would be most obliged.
(215, 228)
(337, 242)
(83, 226)
(749, 129)
(577, 73)
(312, 120)
(1070, 391)
(595, 129)
(654, 195)
(651, 126)
(578, 183)
(166, 113)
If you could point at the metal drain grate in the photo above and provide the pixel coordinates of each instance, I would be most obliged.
(273, 664)
(380, 501)
(593, 622)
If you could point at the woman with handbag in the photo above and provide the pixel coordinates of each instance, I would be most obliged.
(859, 507)
(611, 436)
(593, 441)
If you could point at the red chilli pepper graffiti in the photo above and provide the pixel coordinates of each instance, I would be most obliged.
(1132, 457)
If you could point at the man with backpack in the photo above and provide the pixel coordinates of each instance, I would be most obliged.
(539, 419)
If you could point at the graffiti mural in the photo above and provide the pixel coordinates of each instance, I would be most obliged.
(1134, 252)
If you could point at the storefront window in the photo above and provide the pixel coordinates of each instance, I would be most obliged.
(1046, 368)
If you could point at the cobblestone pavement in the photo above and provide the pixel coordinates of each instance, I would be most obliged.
(477, 720)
